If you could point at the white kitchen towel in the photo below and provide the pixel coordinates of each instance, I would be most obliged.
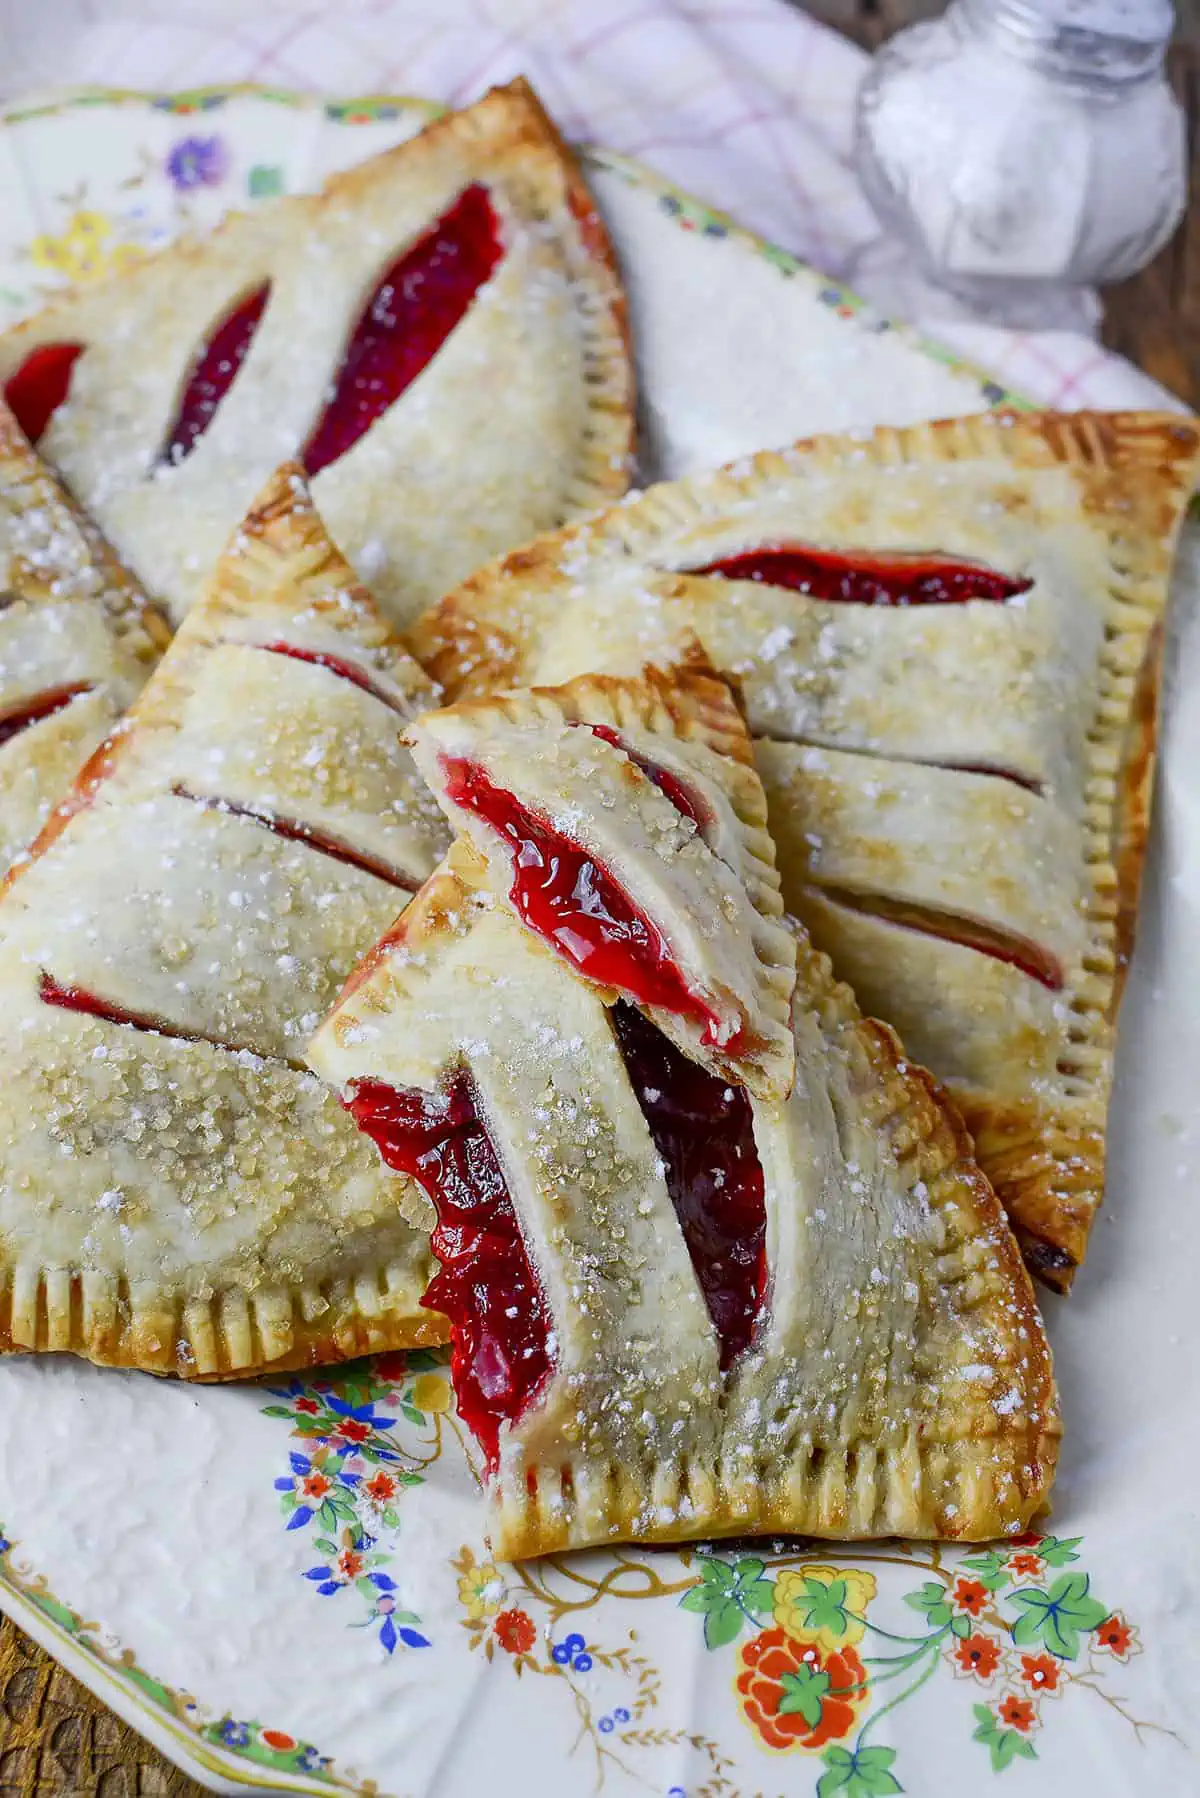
(747, 103)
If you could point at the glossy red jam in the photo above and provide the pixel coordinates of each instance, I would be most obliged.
(682, 797)
(866, 580)
(416, 305)
(487, 1287)
(321, 658)
(213, 374)
(296, 832)
(34, 710)
(703, 1129)
(577, 906)
(37, 389)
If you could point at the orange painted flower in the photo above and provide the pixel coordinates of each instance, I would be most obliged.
(352, 1429)
(796, 1695)
(515, 1631)
(315, 1486)
(276, 1738)
(1040, 1671)
(978, 1654)
(970, 1596)
(380, 1487)
(1025, 1565)
(1017, 1713)
(349, 1563)
(1115, 1635)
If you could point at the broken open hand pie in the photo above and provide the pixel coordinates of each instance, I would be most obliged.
(438, 335)
(180, 1194)
(716, 1257)
(947, 639)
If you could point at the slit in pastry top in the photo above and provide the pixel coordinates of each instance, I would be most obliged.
(867, 579)
(416, 304)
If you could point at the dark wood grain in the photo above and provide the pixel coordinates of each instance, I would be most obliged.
(56, 1741)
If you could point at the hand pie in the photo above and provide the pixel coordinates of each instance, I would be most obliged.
(682, 1310)
(180, 1194)
(438, 335)
(947, 640)
(77, 640)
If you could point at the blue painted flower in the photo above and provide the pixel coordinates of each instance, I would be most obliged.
(606, 1725)
(308, 1760)
(572, 1652)
(197, 162)
(621, 1714)
(5, 1545)
(234, 1735)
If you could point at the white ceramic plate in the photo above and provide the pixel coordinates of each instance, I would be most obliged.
(286, 1588)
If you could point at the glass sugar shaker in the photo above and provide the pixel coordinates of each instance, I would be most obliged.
(1022, 148)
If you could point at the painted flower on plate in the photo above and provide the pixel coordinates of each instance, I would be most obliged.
(978, 1655)
(823, 1605)
(1040, 1671)
(88, 248)
(1016, 1713)
(969, 1595)
(480, 1591)
(1116, 1636)
(431, 1392)
(196, 162)
(795, 1695)
(515, 1631)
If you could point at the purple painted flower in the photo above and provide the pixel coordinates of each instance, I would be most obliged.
(197, 162)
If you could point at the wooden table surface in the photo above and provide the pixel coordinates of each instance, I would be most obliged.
(54, 1737)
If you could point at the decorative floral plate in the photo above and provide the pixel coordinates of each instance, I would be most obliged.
(285, 1586)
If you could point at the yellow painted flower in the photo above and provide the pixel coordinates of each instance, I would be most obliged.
(431, 1392)
(85, 250)
(481, 1591)
(823, 1605)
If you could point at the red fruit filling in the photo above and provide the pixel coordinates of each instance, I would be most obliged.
(576, 906)
(44, 705)
(682, 797)
(972, 933)
(39, 386)
(321, 658)
(213, 374)
(487, 1287)
(296, 832)
(414, 308)
(703, 1129)
(866, 580)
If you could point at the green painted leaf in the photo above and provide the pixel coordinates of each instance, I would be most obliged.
(985, 1717)
(822, 1605)
(325, 1546)
(723, 1623)
(1057, 1551)
(1003, 1745)
(960, 1627)
(931, 1600)
(716, 1573)
(866, 1774)
(804, 1694)
(1058, 1616)
(412, 1414)
(989, 1570)
(264, 180)
(758, 1597)
(277, 1411)
(700, 1598)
